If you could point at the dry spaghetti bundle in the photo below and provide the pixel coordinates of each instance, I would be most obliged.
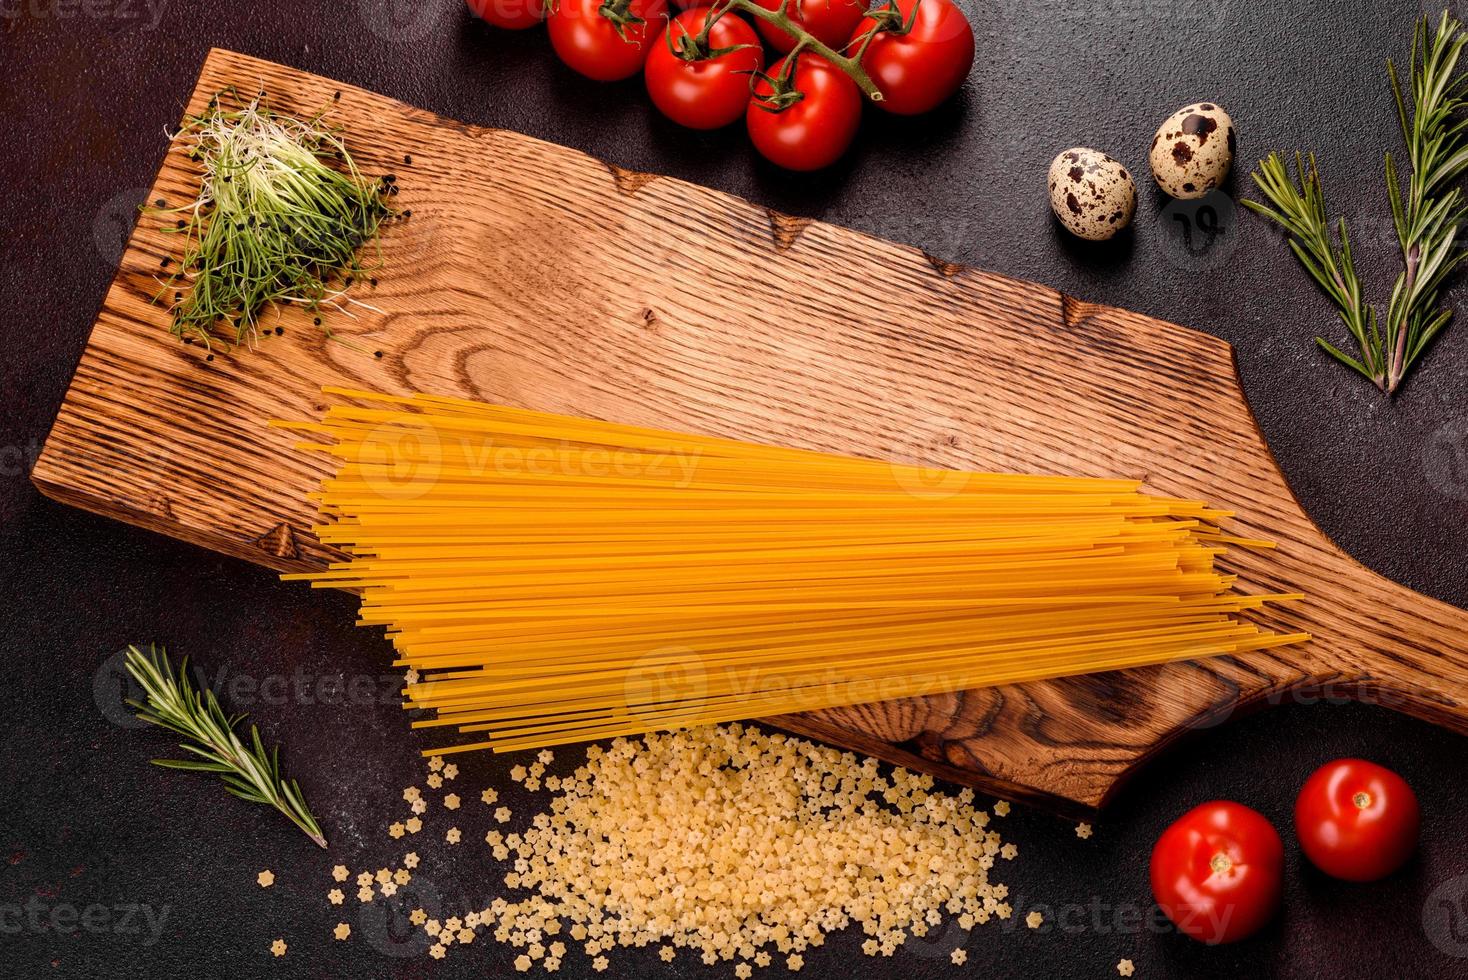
(554, 579)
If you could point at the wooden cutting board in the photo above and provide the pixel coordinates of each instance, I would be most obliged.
(533, 275)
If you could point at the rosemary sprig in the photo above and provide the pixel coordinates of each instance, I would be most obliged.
(280, 217)
(1427, 216)
(249, 772)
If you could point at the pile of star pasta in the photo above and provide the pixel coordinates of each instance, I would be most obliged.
(555, 579)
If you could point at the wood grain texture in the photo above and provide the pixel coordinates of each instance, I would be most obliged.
(533, 275)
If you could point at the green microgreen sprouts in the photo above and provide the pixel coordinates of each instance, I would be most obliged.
(281, 217)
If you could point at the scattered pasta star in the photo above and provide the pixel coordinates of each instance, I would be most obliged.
(522, 963)
(342, 930)
(667, 953)
(1083, 831)
(517, 773)
(335, 896)
(364, 880)
(401, 876)
(545, 757)
(1125, 968)
(502, 815)
(1009, 852)
(795, 962)
(410, 676)
(490, 797)
(436, 951)
(451, 801)
(417, 917)
(870, 947)
(395, 830)
(762, 958)
(266, 878)
(389, 888)
(959, 957)
(383, 876)
(452, 836)
(450, 771)
(340, 872)
(1001, 809)
(599, 964)
(364, 894)
(418, 806)
(435, 781)
(743, 971)
(435, 763)
(413, 825)
(1034, 919)
(411, 793)
(410, 860)
(278, 947)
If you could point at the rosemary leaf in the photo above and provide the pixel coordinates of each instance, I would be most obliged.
(1426, 214)
(172, 701)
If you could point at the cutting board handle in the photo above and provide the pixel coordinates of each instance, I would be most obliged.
(1414, 656)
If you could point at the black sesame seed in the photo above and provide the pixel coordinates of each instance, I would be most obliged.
(164, 261)
(408, 213)
(316, 320)
(377, 353)
(160, 202)
(209, 358)
(408, 159)
(279, 331)
(373, 282)
(336, 95)
(180, 223)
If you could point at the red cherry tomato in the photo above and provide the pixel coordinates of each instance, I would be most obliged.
(706, 93)
(588, 42)
(813, 132)
(512, 15)
(830, 21)
(918, 69)
(1216, 872)
(1357, 820)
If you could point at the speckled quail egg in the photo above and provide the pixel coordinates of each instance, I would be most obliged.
(1193, 150)
(1092, 195)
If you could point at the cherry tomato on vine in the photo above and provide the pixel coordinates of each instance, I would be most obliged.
(819, 121)
(584, 34)
(1216, 872)
(829, 21)
(1357, 820)
(693, 89)
(512, 15)
(919, 61)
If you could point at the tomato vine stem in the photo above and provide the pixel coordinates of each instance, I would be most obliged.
(805, 41)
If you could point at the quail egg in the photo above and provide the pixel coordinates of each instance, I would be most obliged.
(1193, 150)
(1093, 195)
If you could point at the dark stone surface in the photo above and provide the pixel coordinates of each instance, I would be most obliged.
(86, 92)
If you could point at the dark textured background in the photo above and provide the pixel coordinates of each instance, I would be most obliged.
(87, 90)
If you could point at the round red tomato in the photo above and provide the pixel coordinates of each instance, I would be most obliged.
(703, 92)
(1216, 872)
(920, 65)
(584, 34)
(828, 21)
(813, 131)
(1357, 820)
(513, 15)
